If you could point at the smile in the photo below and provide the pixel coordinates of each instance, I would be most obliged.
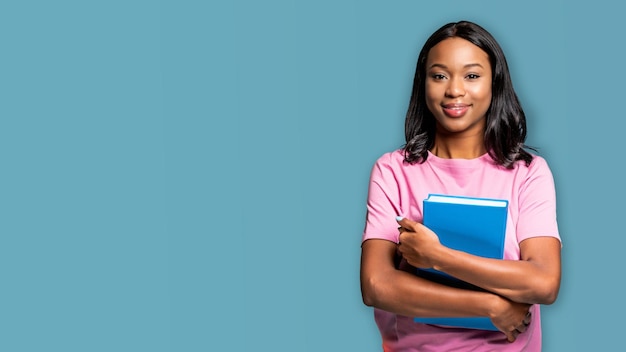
(455, 110)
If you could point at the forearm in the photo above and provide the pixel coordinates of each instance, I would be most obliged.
(527, 280)
(406, 294)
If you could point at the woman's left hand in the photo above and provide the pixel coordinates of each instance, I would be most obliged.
(418, 244)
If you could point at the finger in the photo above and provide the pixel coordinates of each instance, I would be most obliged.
(510, 337)
(405, 223)
(400, 236)
(403, 238)
(522, 328)
(527, 319)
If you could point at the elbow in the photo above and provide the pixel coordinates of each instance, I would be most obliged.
(370, 291)
(368, 299)
(547, 292)
(369, 295)
(549, 296)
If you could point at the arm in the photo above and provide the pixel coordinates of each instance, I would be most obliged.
(386, 287)
(535, 278)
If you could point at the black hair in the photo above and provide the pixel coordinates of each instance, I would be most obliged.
(505, 130)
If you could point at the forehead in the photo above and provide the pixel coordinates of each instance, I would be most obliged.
(456, 51)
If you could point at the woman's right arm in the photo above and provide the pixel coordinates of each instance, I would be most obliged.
(386, 287)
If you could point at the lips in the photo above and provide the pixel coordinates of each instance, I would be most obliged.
(455, 110)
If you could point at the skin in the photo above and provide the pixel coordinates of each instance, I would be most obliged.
(458, 83)
(458, 93)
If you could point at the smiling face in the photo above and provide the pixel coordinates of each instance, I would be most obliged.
(458, 87)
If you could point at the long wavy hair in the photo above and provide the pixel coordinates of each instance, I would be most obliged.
(505, 130)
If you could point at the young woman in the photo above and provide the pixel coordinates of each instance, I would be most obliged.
(465, 133)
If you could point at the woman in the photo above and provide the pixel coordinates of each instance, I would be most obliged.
(465, 133)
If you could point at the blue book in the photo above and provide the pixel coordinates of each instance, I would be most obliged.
(473, 225)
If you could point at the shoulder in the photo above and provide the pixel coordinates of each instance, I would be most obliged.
(391, 160)
(538, 162)
(396, 156)
(522, 174)
(520, 167)
(389, 167)
(535, 176)
(538, 165)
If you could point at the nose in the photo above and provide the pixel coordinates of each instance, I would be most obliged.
(455, 88)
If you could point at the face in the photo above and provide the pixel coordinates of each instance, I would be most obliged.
(458, 87)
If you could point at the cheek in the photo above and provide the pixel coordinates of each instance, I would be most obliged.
(432, 106)
(482, 95)
(432, 97)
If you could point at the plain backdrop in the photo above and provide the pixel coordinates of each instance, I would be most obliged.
(192, 175)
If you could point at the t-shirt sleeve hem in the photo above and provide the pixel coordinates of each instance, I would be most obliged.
(366, 237)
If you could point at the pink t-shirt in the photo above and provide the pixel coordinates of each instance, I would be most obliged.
(397, 188)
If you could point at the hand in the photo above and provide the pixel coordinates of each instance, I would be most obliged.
(417, 244)
(510, 317)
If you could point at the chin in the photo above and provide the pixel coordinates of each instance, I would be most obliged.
(460, 125)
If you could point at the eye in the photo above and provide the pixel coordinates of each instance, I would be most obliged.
(472, 76)
(438, 76)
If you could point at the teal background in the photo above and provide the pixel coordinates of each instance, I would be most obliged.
(192, 176)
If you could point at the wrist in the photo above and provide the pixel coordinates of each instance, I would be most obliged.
(440, 257)
(493, 305)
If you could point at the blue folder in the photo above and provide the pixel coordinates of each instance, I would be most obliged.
(473, 225)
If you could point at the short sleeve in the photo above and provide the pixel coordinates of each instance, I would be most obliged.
(382, 202)
(537, 203)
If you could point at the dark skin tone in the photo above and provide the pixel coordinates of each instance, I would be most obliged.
(533, 279)
(398, 291)
(458, 87)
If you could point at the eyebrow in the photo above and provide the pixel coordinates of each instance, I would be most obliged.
(446, 67)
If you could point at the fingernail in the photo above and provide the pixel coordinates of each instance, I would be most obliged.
(399, 218)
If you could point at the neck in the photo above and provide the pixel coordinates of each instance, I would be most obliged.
(458, 148)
